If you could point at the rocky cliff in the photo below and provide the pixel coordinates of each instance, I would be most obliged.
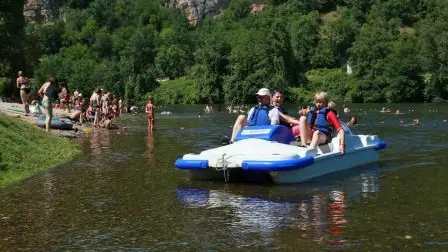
(197, 10)
(40, 10)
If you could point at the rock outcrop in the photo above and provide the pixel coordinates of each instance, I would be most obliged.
(40, 10)
(197, 10)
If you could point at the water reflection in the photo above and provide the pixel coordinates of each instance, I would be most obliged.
(319, 210)
(99, 141)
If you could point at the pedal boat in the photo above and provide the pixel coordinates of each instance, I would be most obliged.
(273, 151)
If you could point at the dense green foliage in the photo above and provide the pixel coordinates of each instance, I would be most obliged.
(396, 48)
(29, 150)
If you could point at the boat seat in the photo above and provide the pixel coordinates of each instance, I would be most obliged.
(276, 133)
(325, 148)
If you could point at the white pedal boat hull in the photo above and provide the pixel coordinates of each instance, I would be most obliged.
(284, 163)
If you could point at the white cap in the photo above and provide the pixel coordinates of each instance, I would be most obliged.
(80, 95)
(263, 92)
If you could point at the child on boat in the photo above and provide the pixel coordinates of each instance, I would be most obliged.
(316, 127)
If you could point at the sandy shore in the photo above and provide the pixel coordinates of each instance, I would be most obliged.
(15, 110)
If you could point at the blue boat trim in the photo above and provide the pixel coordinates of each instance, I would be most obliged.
(282, 165)
(380, 145)
(191, 164)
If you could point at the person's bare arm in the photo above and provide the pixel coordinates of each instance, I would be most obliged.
(41, 91)
(288, 119)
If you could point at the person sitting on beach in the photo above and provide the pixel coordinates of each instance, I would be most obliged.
(134, 109)
(149, 110)
(315, 129)
(25, 90)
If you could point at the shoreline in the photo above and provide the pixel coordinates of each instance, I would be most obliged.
(28, 150)
(12, 110)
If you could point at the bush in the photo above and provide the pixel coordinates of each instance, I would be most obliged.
(3, 84)
(333, 81)
(178, 91)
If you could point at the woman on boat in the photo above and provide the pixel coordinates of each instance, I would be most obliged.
(315, 128)
(48, 92)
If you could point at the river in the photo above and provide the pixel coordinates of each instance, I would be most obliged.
(124, 194)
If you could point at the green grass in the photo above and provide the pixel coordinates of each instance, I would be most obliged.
(26, 150)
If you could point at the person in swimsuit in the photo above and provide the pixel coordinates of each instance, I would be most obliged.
(48, 92)
(25, 90)
(149, 110)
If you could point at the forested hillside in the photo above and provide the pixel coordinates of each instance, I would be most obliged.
(397, 49)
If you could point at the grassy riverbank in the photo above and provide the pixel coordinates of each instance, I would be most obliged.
(26, 150)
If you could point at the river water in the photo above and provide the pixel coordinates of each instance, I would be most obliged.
(124, 194)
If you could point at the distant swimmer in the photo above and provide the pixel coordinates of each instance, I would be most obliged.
(346, 109)
(208, 109)
(415, 122)
(353, 121)
(385, 110)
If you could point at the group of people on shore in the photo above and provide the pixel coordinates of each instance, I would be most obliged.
(101, 109)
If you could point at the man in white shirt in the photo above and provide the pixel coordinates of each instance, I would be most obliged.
(264, 113)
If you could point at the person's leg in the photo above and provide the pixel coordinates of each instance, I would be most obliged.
(45, 111)
(24, 98)
(240, 122)
(97, 117)
(48, 111)
(305, 130)
(318, 139)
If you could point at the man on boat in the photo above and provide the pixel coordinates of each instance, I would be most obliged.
(264, 113)
(277, 102)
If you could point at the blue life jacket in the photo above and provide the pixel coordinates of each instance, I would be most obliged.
(260, 116)
(318, 119)
(283, 111)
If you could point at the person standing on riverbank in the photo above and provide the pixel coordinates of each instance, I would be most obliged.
(25, 90)
(48, 92)
(149, 110)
